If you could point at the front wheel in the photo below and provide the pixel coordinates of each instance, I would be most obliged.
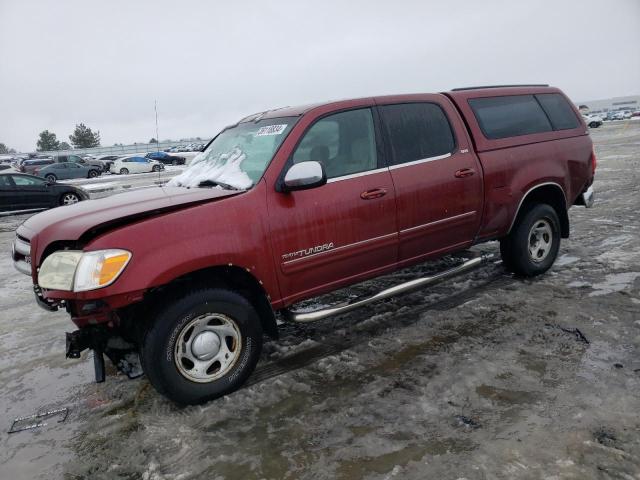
(50, 178)
(202, 345)
(156, 168)
(93, 173)
(124, 171)
(532, 246)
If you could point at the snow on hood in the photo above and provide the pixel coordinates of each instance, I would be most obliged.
(223, 168)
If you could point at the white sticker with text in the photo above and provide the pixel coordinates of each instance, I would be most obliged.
(270, 130)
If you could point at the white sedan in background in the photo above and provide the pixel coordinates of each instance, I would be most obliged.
(135, 164)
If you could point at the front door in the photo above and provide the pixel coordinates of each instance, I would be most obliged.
(437, 177)
(345, 230)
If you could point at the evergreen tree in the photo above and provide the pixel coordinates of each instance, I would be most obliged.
(83, 137)
(47, 141)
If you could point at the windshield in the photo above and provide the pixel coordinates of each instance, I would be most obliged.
(238, 156)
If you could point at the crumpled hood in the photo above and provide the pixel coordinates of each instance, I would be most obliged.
(72, 221)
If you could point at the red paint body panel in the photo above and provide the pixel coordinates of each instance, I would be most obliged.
(304, 243)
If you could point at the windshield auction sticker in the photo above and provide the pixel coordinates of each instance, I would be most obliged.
(270, 130)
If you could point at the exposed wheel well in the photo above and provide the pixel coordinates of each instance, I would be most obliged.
(551, 194)
(232, 277)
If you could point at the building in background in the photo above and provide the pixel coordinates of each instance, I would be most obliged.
(631, 103)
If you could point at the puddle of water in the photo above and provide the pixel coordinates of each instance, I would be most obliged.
(504, 396)
(566, 260)
(393, 461)
(614, 282)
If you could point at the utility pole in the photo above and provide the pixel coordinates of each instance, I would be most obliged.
(157, 137)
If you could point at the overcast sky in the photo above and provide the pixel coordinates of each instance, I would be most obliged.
(208, 63)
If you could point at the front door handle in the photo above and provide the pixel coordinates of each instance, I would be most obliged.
(465, 172)
(371, 194)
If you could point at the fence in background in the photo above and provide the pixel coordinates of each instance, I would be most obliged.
(123, 149)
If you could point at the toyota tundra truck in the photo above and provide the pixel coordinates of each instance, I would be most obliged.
(181, 281)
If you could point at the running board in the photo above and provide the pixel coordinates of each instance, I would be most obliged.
(304, 317)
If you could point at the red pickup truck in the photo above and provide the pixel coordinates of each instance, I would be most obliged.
(291, 203)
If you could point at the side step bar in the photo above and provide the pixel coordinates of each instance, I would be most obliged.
(304, 317)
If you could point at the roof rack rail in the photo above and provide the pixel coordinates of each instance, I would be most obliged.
(500, 86)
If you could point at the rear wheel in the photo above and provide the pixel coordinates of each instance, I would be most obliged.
(174, 162)
(124, 171)
(69, 198)
(532, 246)
(93, 173)
(156, 168)
(202, 345)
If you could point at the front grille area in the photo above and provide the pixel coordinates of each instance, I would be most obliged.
(21, 253)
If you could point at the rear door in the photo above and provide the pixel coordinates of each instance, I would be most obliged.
(437, 177)
(344, 230)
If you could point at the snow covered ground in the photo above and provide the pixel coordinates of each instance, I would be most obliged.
(482, 377)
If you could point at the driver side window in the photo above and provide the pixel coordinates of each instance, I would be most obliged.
(344, 143)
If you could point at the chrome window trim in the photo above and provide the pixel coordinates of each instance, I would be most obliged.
(355, 175)
(423, 160)
(513, 220)
(342, 247)
(436, 222)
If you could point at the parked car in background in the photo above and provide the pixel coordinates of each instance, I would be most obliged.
(107, 160)
(165, 158)
(19, 191)
(593, 121)
(30, 166)
(67, 170)
(627, 114)
(135, 164)
(79, 160)
(5, 166)
(616, 115)
(636, 114)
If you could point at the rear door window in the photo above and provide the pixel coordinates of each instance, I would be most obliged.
(509, 116)
(417, 131)
(558, 110)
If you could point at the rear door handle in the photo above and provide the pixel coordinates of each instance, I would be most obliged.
(371, 194)
(465, 172)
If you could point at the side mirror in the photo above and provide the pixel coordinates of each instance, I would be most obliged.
(304, 175)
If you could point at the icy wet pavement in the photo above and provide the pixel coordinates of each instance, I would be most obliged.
(481, 377)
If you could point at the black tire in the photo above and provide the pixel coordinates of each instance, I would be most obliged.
(160, 354)
(51, 178)
(174, 162)
(593, 125)
(68, 198)
(529, 251)
(124, 171)
(156, 168)
(93, 173)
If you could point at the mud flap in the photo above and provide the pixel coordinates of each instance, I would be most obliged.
(98, 365)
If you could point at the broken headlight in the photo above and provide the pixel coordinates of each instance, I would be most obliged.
(77, 271)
